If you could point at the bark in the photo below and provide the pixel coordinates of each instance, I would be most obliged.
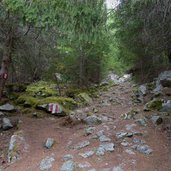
(169, 54)
(6, 61)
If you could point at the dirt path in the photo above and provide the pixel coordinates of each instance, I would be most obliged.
(110, 105)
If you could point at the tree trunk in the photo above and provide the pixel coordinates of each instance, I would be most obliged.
(6, 61)
(169, 54)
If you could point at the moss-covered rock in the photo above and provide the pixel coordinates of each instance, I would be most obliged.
(85, 98)
(29, 101)
(155, 104)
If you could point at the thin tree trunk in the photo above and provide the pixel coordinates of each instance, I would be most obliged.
(6, 61)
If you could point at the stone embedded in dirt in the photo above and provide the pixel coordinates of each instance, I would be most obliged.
(68, 157)
(68, 166)
(92, 170)
(165, 79)
(138, 141)
(49, 143)
(82, 145)
(100, 133)
(166, 107)
(118, 168)
(47, 163)
(129, 151)
(142, 121)
(6, 124)
(124, 134)
(87, 154)
(84, 165)
(156, 120)
(100, 151)
(155, 104)
(145, 149)
(90, 130)
(124, 143)
(106, 147)
(129, 127)
(142, 90)
(16, 146)
(92, 120)
(7, 108)
(103, 138)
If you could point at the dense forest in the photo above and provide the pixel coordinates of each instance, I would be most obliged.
(82, 40)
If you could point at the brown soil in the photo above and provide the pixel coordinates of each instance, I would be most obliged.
(67, 135)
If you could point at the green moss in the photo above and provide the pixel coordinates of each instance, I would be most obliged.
(29, 101)
(68, 103)
(41, 89)
(26, 99)
(155, 104)
(85, 98)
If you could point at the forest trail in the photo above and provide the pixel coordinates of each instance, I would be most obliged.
(127, 140)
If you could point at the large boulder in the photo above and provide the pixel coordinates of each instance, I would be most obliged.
(165, 79)
(7, 108)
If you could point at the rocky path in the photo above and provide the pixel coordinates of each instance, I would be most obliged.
(105, 142)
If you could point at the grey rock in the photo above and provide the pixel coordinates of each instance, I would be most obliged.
(92, 170)
(142, 121)
(138, 141)
(49, 143)
(68, 166)
(103, 138)
(129, 151)
(84, 165)
(124, 134)
(121, 134)
(100, 133)
(17, 145)
(46, 163)
(125, 144)
(156, 120)
(142, 90)
(100, 151)
(166, 107)
(145, 149)
(82, 145)
(7, 108)
(107, 147)
(68, 157)
(118, 168)
(165, 79)
(87, 154)
(92, 120)
(6, 124)
(158, 90)
(90, 130)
